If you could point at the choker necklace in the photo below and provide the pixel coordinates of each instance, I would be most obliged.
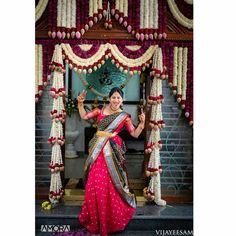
(110, 108)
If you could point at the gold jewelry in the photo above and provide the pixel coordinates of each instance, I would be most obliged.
(113, 110)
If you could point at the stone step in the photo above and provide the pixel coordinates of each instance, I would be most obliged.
(147, 219)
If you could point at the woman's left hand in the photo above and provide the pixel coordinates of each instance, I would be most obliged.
(142, 117)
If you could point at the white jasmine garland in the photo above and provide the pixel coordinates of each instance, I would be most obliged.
(132, 62)
(121, 6)
(157, 190)
(95, 6)
(90, 8)
(146, 14)
(59, 54)
(99, 4)
(36, 69)
(179, 72)
(155, 14)
(151, 23)
(57, 129)
(157, 113)
(83, 61)
(68, 14)
(63, 12)
(55, 185)
(59, 13)
(114, 51)
(159, 108)
(40, 8)
(153, 113)
(142, 14)
(175, 66)
(133, 47)
(190, 2)
(154, 89)
(40, 65)
(73, 13)
(159, 60)
(85, 47)
(153, 160)
(117, 5)
(151, 186)
(184, 77)
(155, 58)
(125, 8)
(184, 21)
(159, 89)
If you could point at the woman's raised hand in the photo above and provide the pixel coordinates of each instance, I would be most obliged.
(142, 117)
(82, 96)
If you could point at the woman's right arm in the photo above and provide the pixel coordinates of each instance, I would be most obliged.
(83, 114)
(82, 111)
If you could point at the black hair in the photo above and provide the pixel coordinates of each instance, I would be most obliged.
(118, 90)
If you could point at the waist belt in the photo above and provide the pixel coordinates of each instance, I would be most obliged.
(105, 134)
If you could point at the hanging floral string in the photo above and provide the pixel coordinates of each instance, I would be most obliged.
(175, 66)
(36, 74)
(108, 21)
(78, 23)
(56, 138)
(182, 80)
(184, 77)
(38, 71)
(179, 74)
(55, 13)
(154, 168)
(40, 8)
(189, 92)
(70, 18)
(73, 20)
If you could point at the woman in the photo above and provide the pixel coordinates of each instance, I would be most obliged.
(108, 204)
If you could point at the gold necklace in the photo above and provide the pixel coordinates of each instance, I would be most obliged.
(112, 110)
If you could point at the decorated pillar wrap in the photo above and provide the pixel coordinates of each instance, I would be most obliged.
(155, 99)
(58, 113)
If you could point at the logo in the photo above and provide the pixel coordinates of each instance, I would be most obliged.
(55, 228)
(174, 232)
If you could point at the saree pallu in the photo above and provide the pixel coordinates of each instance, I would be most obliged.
(108, 204)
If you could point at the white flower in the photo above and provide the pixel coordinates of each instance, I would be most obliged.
(183, 20)
(40, 8)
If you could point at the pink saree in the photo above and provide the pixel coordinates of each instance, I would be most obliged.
(108, 204)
